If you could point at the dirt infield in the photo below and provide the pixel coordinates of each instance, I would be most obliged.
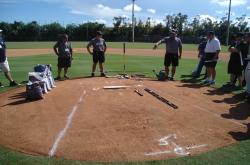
(116, 51)
(80, 120)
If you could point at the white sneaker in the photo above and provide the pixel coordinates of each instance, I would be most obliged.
(211, 82)
(207, 81)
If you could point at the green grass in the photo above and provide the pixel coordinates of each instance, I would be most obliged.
(136, 45)
(81, 66)
(235, 154)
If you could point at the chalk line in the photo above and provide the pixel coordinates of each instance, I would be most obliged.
(196, 146)
(208, 111)
(64, 130)
(177, 149)
(217, 115)
(157, 153)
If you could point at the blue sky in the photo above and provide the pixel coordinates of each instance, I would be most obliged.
(103, 11)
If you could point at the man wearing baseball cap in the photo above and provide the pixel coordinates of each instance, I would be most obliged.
(4, 65)
(98, 53)
(212, 51)
(173, 52)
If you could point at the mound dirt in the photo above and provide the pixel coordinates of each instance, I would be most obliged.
(80, 120)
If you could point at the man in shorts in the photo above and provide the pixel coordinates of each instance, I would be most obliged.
(4, 65)
(64, 52)
(212, 51)
(98, 53)
(173, 52)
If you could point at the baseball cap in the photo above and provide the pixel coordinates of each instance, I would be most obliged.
(211, 33)
(173, 31)
(203, 38)
(99, 33)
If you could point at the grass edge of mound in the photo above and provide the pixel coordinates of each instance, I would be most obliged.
(235, 154)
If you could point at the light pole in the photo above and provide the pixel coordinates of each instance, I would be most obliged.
(133, 20)
(228, 22)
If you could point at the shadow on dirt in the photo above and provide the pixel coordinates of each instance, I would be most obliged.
(240, 136)
(191, 82)
(240, 110)
(19, 98)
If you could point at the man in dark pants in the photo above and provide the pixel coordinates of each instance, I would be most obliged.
(173, 52)
(201, 56)
(98, 53)
(4, 65)
(64, 52)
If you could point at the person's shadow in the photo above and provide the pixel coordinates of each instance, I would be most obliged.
(240, 110)
(19, 98)
(240, 136)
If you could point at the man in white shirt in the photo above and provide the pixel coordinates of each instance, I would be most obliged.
(212, 51)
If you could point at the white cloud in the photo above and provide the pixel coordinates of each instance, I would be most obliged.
(248, 8)
(157, 21)
(205, 16)
(129, 8)
(101, 21)
(77, 12)
(106, 11)
(232, 13)
(225, 3)
(153, 11)
(125, 16)
(220, 12)
(225, 12)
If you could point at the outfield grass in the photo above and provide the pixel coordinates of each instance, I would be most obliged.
(235, 154)
(81, 66)
(129, 45)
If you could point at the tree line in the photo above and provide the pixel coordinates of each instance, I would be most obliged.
(145, 31)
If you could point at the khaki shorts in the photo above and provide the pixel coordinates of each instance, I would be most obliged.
(4, 66)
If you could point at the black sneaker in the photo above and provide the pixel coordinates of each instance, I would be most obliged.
(171, 79)
(13, 83)
(103, 75)
(66, 77)
(92, 74)
(58, 78)
(1, 85)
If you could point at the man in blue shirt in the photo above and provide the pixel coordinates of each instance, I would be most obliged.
(4, 65)
(201, 56)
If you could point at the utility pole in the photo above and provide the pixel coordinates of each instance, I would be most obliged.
(133, 20)
(228, 22)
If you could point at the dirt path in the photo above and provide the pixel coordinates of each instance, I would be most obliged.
(119, 125)
(116, 51)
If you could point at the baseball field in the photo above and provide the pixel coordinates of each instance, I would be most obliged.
(79, 122)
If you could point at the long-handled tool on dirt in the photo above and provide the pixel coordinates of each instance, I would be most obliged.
(161, 98)
(138, 92)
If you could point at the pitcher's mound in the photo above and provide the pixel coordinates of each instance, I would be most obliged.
(82, 121)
